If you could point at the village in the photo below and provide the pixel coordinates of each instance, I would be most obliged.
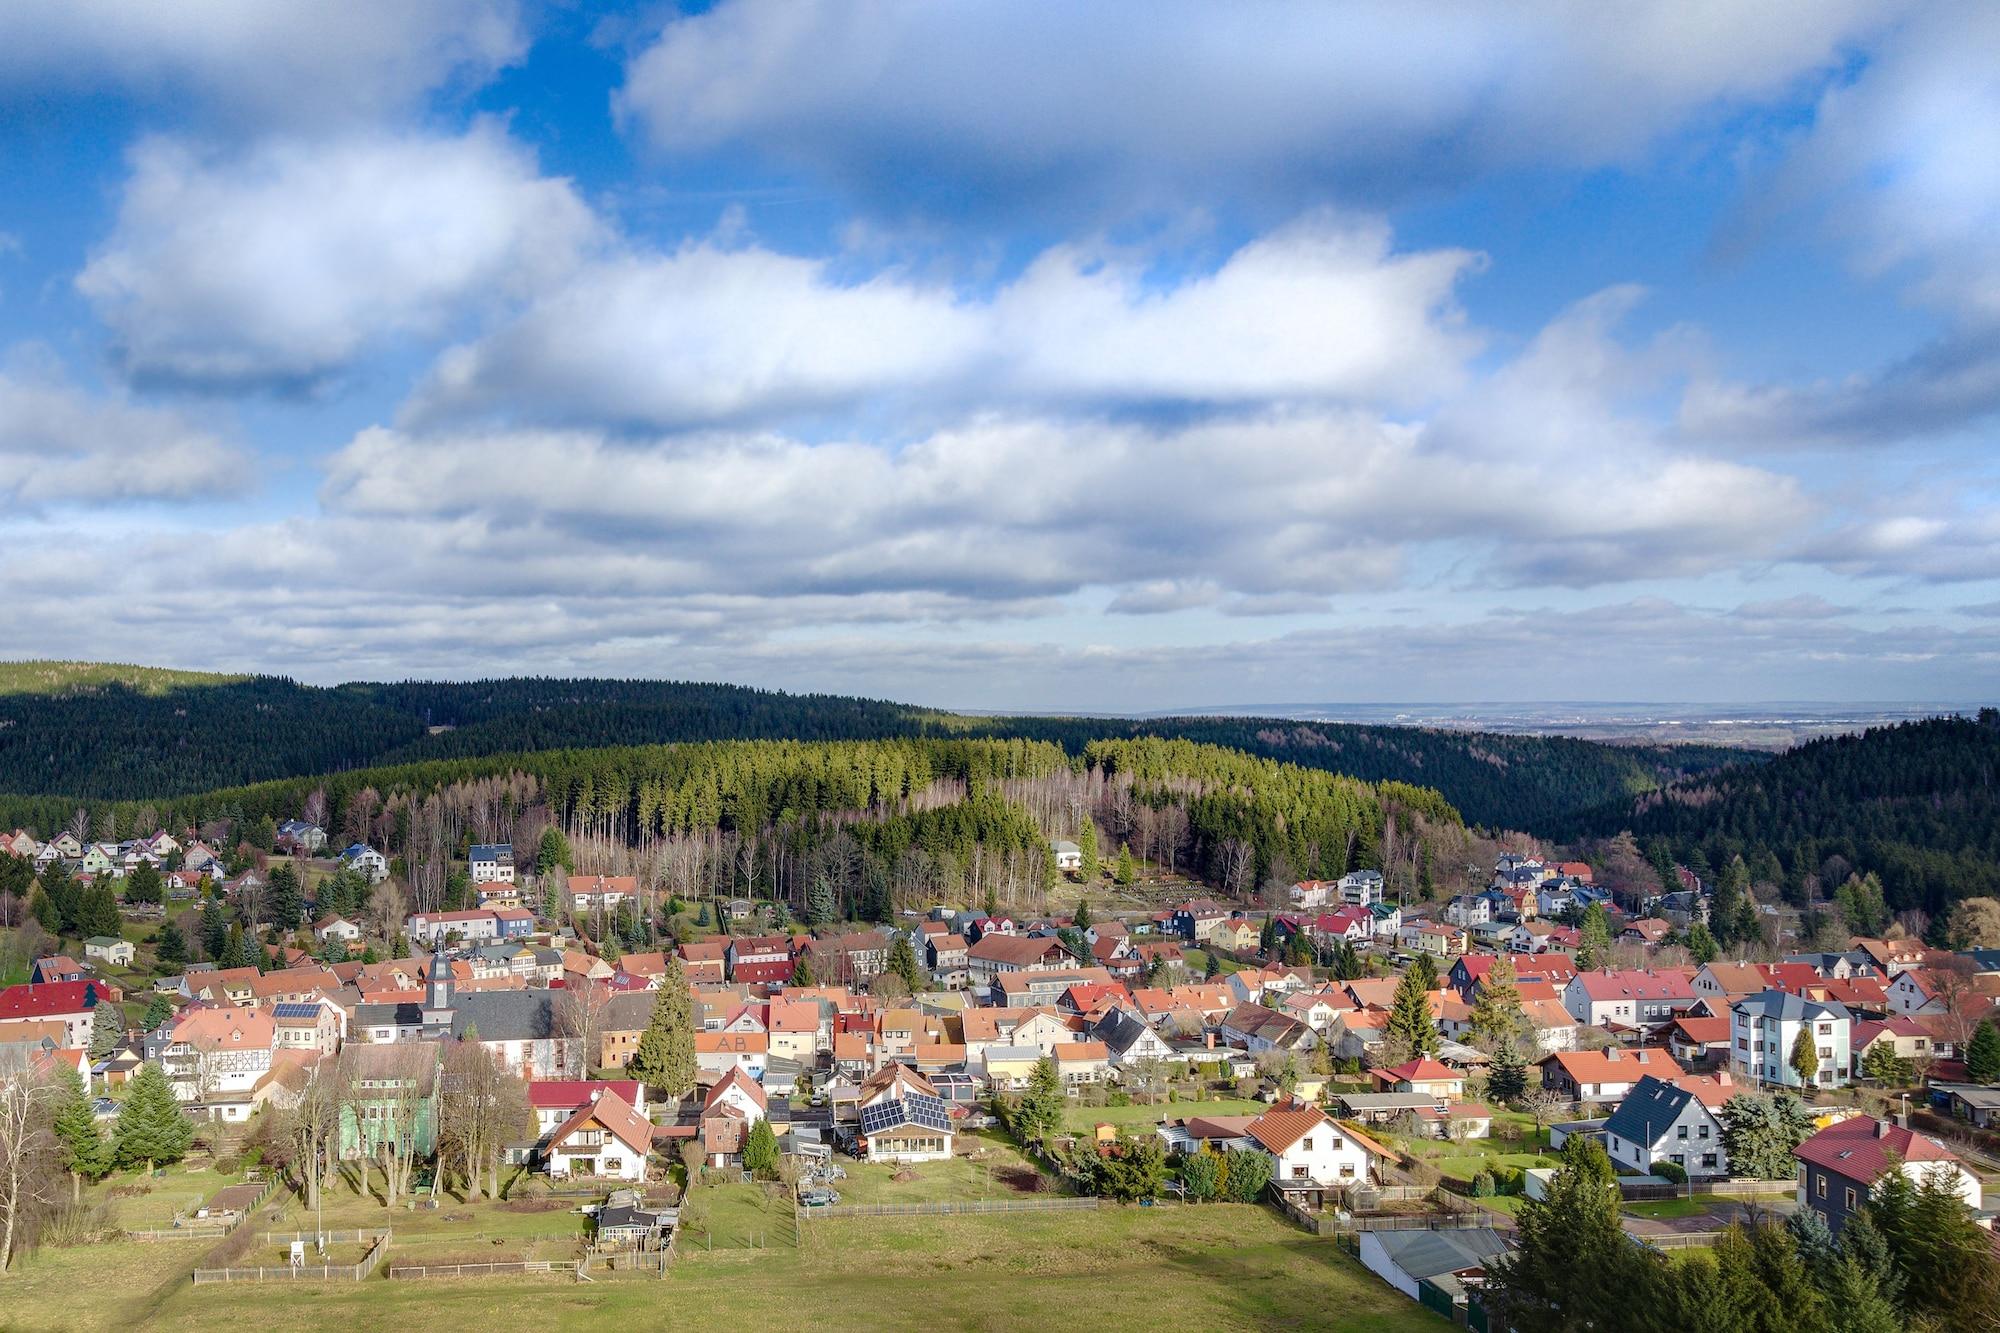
(517, 1088)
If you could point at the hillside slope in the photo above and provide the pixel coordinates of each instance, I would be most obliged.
(1918, 804)
(120, 733)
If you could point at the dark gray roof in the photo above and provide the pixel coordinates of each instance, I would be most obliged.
(492, 851)
(1647, 1110)
(1120, 1031)
(1424, 1254)
(505, 1015)
(1789, 1008)
(404, 1014)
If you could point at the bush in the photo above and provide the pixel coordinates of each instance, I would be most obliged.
(1482, 1185)
(1671, 1171)
(1506, 1179)
(1119, 1098)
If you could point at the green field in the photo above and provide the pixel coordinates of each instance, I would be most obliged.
(1218, 1267)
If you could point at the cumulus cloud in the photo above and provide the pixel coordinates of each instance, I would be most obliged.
(261, 62)
(278, 264)
(1033, 105)
(59, 445)
(1322, 308)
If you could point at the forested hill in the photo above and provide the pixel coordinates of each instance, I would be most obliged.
(1917, 804)
(94, 732)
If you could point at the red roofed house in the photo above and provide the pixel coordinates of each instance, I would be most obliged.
(1423, 1075)
(1631, 998)
(706, 962)
(733, 1105)
(605, 1138)
(1603, 1076)
(555, 1100)
(1840, 1166)
(73, 1003)
(1310, 1152)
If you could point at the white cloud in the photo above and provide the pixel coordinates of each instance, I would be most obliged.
(1323, 308)
(282, 262)
(59, 446)
(1017, 106)
(262, 62)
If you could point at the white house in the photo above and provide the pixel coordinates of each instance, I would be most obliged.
(606, 1139)
(110, 949)
(216, 1057)
(335, 927)
(492, 863)
(1660, 1121)
(1840, 1167)
(1069, 856)
(471, 926)
(1764, 1028)
(365, 859)
(902, 1118)
(1633, 998)
(1309, 1151)
(1361, 888)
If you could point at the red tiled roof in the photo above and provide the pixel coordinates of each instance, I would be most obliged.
(1860, 1148)
(560, 1093)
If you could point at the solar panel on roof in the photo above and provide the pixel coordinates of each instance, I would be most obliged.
(294, 1009)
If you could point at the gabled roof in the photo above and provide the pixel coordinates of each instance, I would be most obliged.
(1648, 1110)
(1281, 1127)
(568, 1093)
(1860, 1148)
(1612, 1066)
(1789, 1008)
(616, 1115)
(1635, 984)
(734, 1077)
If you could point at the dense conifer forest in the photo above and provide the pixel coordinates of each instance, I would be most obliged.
(92, 732)
(1918, 805)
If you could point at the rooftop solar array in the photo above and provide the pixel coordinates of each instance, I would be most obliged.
(914, 1108)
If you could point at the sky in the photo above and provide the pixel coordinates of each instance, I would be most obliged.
(1022, 355)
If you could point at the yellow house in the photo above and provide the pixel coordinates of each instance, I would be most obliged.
(1011, 1066)
(1238, 935)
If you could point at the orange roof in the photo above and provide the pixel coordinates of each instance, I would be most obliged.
(227, 1028)
(1081, 1050)
(1279, 1128)
(614, 1114)
(731, 1043)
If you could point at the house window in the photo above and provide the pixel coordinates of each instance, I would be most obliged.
(1819, 1186)
(1298, 1173)
(1848, 1198)
(1680, 1131)
(1307, 1145)
(1708, 1159)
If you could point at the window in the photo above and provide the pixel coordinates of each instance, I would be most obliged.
(1298, 1173)
(1704, 1132)
(1708, 1159)
(1819, 1186)
(1680, 1131)
(1849, 1198)
(1307, 1145)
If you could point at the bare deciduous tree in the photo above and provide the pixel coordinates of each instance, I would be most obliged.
(30, 1177)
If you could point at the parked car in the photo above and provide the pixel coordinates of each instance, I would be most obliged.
(818, 1198)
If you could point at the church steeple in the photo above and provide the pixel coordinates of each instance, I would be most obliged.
(437, 1000)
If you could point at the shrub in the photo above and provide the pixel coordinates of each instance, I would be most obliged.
(1482, 1185)
(1671, 1171)
(1119, 1098)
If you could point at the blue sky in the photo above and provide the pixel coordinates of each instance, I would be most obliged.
(1011, 356)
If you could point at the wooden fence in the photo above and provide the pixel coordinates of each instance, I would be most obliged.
(1727, 1189)
(207, 1229)
(963, 1206)
(1679, 1240)
(398, 1272)
(300, 1273)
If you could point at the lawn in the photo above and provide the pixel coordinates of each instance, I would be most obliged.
(1220, 1267)
(1082, 1118)
(1468, 1165)
(997, 1170)
(1662, 1210)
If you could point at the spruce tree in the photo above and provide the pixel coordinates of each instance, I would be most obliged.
(1982, 1056)
(45, 911)
(1410, 1019)
(1496, 1011)
(158, 1010)
(1593, 949)
(284, 900)
(171, 947)
(214, 930)
(1086, 841)
(760, 1152)
(98, 912)
(1701, 944)
(903, 963)
(665, 1055)
(152, 1129)
(1125, 869)
(1507, 1077)
(802, 973)
(1426, 969)
(1083, 919)
(820, 907)
(107, 1031)
(80, 1144)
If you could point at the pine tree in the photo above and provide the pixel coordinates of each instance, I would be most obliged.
(1214, 968)
(1593, 949)
(760, 1152)
(171, 947)
(144, 884)
(802, 973)
(1410, 1019)
(665, 1055)
(214, 930)
(80, 1144)
(284, 900)
(1507, 1077)
(903, 963)
(553, 852)
(1039, 1113)
(98, 912)
(1125, 869)
(158, 1010)
(1083, 917)
(107, 1031)
(820, 907)
(1426, 969)
(1087, 842)
(1701, 944)
(152, 1129)
(1982, 1057)
(1496, 1010)
(45, 911)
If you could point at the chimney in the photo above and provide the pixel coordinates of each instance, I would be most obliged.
(1881, 1129)
(1722, 1079)
(1613, 1053)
